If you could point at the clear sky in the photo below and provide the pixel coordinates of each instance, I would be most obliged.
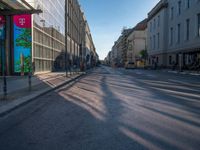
(106, 19)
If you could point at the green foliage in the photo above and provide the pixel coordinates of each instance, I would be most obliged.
(27, 65)
(24, 39)
(144, 54)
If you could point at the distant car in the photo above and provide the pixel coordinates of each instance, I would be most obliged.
(130, 65)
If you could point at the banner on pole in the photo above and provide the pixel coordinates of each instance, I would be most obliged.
(22, 43)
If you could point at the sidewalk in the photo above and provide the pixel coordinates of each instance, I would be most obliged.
(18, 92)
(186, 72)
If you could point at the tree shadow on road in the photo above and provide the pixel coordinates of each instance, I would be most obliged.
(100, 113)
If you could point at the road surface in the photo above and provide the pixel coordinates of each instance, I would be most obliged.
(110, 109)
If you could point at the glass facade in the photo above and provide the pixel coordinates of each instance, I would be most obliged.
(49, 36)
(48, 44)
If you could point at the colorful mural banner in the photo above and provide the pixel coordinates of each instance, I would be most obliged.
(2, 41)
(22, 43)
(2, 27)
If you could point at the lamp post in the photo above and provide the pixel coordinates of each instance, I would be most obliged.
(66, 39)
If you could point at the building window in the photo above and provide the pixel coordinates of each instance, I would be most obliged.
(150, 42)
(158, 36)
(154, 41)
(179, 7)
(172, 12)
(157, 60)
(158, 21)
(154, 23)
(187, 3)
(150, 26)
(170, 60)
(179, 33)
(171, 36)
(198, 25)
(187, 29)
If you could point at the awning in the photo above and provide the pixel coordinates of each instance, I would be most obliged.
(16, 7)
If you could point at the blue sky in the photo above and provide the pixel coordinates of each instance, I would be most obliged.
(106, 19)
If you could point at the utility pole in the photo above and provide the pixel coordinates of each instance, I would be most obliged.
(66, 39)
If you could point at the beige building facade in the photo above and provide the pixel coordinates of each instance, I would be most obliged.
(137, 43)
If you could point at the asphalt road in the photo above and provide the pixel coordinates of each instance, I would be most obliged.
(110, 109)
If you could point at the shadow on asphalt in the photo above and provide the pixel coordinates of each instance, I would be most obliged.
(105, 112)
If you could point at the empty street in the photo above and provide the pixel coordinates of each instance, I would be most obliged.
(110, 109)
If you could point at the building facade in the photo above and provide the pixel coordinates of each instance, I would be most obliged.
(55, 39)
(137, 43)
(48, 32)
(89, 49)
(157, 34)
(184, 34)
(173, 34)
(119, 49)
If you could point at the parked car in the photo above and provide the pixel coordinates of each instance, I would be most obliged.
(130, 65)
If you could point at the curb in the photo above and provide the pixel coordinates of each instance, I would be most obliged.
(185, 73)
(4, 110)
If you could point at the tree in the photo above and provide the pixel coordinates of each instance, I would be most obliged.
(144, 54)
(24, 39)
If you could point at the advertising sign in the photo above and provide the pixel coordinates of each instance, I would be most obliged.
(22, 43)
(2, 27)
(2, 39)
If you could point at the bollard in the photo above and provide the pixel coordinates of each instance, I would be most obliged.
(5, 87)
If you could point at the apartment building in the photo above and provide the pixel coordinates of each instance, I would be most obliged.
(173, 34)
(124, 45)
(119, 49)
(74, 25)
(183, 33)
(157, 35)
(89, 48)
(137, 43)
(114, 55)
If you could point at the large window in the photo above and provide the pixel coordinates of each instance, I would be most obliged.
(179, 7)
(150, 26)
(151, 43)
(170, 60)
(172, 13)
(158, 21)
(171, 36)
(179, 33)
(188, 3)
(198, 25)
(187, 29)
(158, 44)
